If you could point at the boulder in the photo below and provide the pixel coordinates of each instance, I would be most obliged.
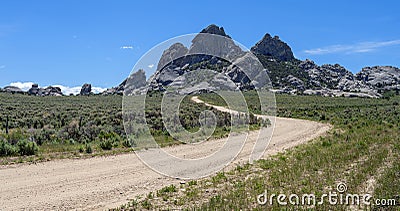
(86, 89)
(50, 91)
(12, 89)
(34, 90)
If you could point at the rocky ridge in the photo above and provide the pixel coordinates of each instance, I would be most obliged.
(286, 73)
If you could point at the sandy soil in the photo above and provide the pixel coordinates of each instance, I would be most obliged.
(107, 182)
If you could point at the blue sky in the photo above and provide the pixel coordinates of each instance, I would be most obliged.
(74, 42)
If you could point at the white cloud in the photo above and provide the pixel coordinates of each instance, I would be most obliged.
(126, 47)
(69, 90)
(362, 47)
(2, 67)
(151, 65)
(25, 86)
(98, 90)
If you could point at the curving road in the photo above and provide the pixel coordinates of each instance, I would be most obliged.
(107, 182)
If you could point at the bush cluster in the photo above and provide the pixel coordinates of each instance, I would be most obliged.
(23, 147)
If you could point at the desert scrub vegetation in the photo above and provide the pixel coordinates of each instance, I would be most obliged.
(57, 127)
(362, 151)
(22, 147)
(76, 126)
(187, 117)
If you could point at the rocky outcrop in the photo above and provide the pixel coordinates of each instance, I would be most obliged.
(331, 77)
(295, 82)
(12, 89)
(48, 91)
(290, 75)
(86, 89)
(174, 52)
(287, 74)
(273, 47)
(221, 54)
(325, 80)
(118, 90)
(380, 77)
(214, 29)
(135, 81)
(206, 51)
(34, 90)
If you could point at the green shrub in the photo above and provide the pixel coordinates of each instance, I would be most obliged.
(15, 135)
(219, 177)
(167, 189)
(192, 182)
(71, 141)
(108, 140)
(7, 149)
(326, 143)
(88, 149)
(81, 149)
(127, 143)
(26, 147)
(106, 144)
(146, 204)
(109, 136)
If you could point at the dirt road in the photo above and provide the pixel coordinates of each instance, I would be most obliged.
(107, 182)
